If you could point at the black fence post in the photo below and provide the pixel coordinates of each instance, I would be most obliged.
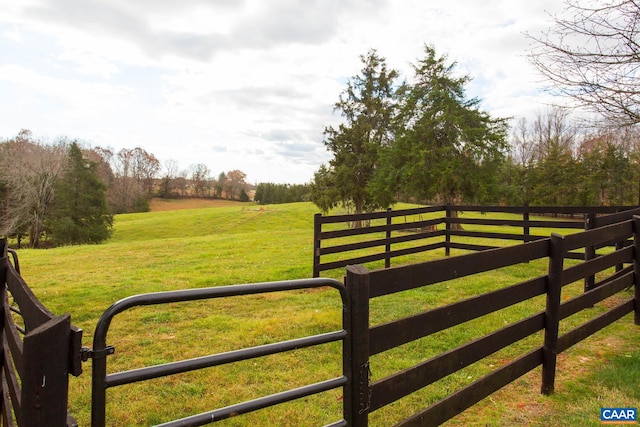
(619, 247)
(3, 266)
(526, 229)
(552, 315)
(387, 246)
(636, 269)
(590, 250)
(447, 235)
(357, 399)
(317, 229)
(45, 389)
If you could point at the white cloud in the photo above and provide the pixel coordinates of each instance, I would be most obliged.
(246, 85)
(86, 99)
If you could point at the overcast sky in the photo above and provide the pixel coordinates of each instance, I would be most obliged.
(236, 84)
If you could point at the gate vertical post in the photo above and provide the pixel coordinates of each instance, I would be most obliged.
(99, 368)
(636, 268)
(552, 314)
(317, 229)
(589, 251)
(98, 390)
(387, 246)
(357, 398)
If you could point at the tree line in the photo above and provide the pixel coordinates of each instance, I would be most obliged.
(51, 192)
(423, 140)
(555, 161)
(67, 193)
(268, 193)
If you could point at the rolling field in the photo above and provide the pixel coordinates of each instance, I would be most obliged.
(184, 245)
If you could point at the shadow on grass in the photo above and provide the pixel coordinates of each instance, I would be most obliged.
(613, 384)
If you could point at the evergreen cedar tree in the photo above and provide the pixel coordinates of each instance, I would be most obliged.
(80, 214)
(422, 139)
(367, 106)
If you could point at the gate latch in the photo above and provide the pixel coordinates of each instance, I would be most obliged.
(86, 353)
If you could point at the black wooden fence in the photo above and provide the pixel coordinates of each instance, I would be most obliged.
(364, 285)
(617, 270)
(39, 350)
(434, 227)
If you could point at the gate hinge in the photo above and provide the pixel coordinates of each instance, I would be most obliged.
(86, 353)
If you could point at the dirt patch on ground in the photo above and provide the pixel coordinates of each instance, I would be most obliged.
(157, 205)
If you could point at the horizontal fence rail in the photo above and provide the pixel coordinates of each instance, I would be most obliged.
(364, 285)
(438, 227)
(101, 381)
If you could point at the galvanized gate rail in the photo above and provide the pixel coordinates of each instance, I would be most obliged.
(101, 381)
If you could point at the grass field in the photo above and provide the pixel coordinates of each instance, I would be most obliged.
(179, 246)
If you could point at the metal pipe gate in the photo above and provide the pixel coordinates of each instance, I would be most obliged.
(101, 350)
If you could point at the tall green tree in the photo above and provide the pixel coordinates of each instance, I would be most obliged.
(541, 169)
(608, 170)
(80, 214)
(446, 148)
(367, 107)
(557, 178)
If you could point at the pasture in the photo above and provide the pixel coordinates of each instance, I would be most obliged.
(171, 249)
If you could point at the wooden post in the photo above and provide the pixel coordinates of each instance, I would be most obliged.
(3, 263)
(357, 402)
(45, 388)
(619, 247)
(387, 246)
(552, 315)
(447, 235)
(636, 268)
(589, 251)
(526, 230)
(317, 229)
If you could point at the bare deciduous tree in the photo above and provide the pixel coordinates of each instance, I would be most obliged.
(134, 172)
(168, 182)
(145, 169)
(123, 196)
(200, 179)
(592, 55)
(553, 129)
(29, 170)
(234, 184)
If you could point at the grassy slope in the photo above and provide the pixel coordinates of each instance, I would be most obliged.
(190, 248)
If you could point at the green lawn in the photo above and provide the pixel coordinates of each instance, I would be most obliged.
(193, 248)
